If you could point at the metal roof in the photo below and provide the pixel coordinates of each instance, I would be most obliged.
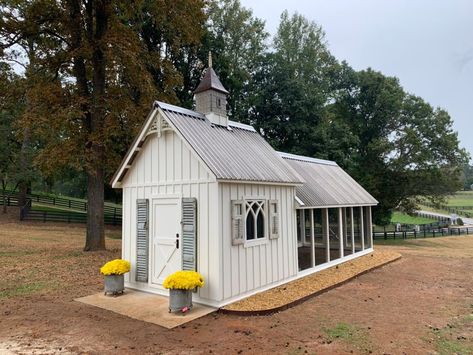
(326, 184)
(210, 81)
(234, 153)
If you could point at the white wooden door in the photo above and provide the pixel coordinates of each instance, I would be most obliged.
(166, 252)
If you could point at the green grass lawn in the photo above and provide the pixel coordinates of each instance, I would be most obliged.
(461, 198)
(402, 218)
(106, 203)
(49, 208)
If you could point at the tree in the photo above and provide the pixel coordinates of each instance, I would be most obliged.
(405, 149)
(296, 89)
(468, 177)
(172, 32)
(95, 86)
(16, 168)
(10, 109)
(237, 40)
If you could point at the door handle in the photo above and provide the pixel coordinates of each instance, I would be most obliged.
(177, 240)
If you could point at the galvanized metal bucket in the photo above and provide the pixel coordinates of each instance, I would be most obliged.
(180, 300)
(114, 284)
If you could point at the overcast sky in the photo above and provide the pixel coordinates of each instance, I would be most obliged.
(427, 44)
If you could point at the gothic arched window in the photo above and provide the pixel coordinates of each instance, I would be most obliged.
(255, 219)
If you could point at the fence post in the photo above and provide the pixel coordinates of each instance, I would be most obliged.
(44, 216)
(385, 235)
(433, 231)
(415, 234)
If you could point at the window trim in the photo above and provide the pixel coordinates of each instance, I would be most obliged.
(260, 209)
(266, 223)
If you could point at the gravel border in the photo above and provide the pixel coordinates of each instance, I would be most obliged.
(295, 292)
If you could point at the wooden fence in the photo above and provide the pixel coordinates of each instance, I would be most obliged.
(9, 200)
(28, 213)
(12, 200)
(422, 233)
(464, 211)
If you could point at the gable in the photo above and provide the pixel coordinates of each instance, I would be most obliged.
(234, 153)
(159, 155)
(166, 159)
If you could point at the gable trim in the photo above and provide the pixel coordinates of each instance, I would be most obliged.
(154, 118)
(133, 151)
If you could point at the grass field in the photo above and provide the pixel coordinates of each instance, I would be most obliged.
(461, 198)
(51, 208)
(402, 218)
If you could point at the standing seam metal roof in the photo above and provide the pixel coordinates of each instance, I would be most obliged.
(326, 184)
(234, 153)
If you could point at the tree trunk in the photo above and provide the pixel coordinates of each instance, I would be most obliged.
(24, 184)
(95, 237)
(4, 196)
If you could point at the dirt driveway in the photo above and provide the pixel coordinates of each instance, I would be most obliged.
(419, 305)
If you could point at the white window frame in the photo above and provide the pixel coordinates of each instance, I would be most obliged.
(262, 208)
(246, 203)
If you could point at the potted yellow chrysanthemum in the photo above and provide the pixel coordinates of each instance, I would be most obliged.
(180, 285)
(114, 272)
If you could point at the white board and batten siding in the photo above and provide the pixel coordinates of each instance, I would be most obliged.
(258, 264)
(167, 166)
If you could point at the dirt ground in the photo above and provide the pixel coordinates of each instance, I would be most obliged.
(421, 304)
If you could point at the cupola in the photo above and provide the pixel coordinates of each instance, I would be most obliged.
(211, 97)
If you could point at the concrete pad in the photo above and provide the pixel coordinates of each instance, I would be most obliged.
(145, 306)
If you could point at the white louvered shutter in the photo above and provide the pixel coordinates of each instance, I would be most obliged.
(238, 222)
(274, 219)
(189, 234)
(142, 240)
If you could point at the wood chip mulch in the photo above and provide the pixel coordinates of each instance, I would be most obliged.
(295, 292)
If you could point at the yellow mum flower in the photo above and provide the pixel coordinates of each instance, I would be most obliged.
(184, 280)
(115, 267)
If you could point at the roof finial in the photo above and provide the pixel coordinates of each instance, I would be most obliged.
(210, 59)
